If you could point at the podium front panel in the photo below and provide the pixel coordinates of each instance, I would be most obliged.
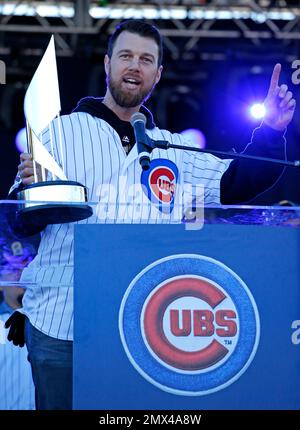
(167, 318)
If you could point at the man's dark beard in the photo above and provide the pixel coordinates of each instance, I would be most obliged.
(127, 100)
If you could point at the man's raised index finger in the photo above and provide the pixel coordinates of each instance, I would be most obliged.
(274, 78)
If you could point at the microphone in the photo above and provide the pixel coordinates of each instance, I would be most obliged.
(138, 122)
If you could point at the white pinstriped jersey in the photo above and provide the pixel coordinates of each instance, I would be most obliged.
(16, 385)
(93, 155)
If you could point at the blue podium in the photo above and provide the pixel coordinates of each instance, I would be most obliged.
(168, 318)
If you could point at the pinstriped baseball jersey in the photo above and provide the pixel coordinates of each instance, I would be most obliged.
(93, 155)
(16, 385)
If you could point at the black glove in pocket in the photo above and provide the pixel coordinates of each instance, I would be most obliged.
(16, 325)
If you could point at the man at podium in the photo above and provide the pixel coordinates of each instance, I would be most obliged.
(100, 148)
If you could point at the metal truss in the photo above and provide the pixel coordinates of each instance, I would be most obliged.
(184, 24)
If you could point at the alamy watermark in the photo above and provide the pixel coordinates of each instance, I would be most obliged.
(135, 203)
(296, 74)
(2, 72)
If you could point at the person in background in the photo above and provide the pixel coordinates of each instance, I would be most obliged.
(16, 384)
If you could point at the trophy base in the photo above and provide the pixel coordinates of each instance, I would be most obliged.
(53, 202)
(54, 214)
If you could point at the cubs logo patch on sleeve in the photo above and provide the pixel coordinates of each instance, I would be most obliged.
(159, 183)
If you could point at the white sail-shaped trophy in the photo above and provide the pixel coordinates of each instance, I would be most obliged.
(52, 198)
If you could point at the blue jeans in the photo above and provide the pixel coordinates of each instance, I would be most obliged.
(51, 364)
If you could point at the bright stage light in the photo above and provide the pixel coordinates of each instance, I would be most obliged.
(21, 140)
(195, 136)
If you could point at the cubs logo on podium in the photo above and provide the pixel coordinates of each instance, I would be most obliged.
(189, 325)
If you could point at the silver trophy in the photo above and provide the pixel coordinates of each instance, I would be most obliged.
(57, 200)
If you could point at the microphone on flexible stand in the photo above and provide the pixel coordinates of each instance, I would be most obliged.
(144, 147)
(163, 144)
